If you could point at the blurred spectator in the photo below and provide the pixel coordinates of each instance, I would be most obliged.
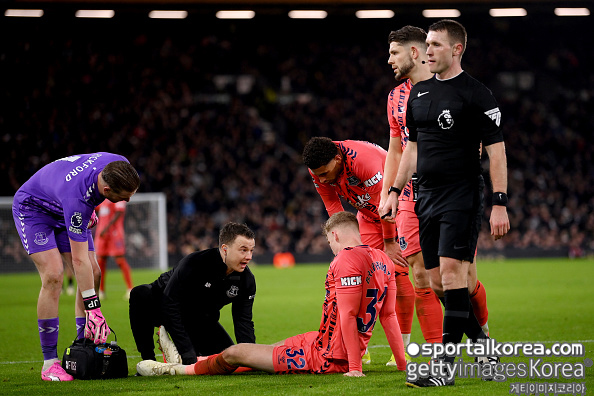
(215, 117)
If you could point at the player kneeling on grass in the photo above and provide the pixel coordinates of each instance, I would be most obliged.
(187, 299)
(360, 286)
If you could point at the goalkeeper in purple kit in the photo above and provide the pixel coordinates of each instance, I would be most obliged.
(53, 212)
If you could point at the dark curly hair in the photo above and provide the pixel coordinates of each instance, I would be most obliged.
(318, 152)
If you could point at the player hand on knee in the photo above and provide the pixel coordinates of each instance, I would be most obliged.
(393, 251)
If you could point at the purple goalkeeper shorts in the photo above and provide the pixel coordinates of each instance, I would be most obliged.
(40, 231)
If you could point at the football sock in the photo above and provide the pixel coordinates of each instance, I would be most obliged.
(457, 307)
(102, 261)
(80, 326)
(429, 314)
(243, 370)
(472, 329)
(214, 364)
(478, 298)
(405, 301)
(123, 264)
(405, 340)
(49, 363)
(48, 335)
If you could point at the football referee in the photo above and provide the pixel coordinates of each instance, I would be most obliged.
(448, 116)
(188, 298)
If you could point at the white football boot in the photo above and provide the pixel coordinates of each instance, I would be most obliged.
(168, 348)
(150, 368)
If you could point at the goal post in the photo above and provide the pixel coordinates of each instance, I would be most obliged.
(145, 225)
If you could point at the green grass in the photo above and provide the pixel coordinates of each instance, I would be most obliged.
(529, 300)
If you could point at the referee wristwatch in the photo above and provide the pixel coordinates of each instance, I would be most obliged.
(394, 189)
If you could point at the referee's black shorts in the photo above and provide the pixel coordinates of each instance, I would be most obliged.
(450, 233)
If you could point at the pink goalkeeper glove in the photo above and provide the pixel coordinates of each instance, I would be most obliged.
(96, 327)
(94, 220)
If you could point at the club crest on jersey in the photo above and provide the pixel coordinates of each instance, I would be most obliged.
(445, 120)
(232, 292)
(76, 219)
(41, 238)
(353, 181)
(403, 243)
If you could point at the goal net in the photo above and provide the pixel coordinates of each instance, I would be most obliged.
(145, 226)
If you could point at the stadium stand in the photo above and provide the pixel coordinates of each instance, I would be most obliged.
(215, 115)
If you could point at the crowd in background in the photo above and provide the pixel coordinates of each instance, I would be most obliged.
(216, 117)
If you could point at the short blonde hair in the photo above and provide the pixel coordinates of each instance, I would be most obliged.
(340, 219)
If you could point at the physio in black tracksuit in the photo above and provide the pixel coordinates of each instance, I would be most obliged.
(187, 299)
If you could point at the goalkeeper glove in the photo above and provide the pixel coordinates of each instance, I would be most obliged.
(94, 220)
(96, 327)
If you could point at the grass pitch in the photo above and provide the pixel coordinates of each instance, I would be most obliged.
(544, 300)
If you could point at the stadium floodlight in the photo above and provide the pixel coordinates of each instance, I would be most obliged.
(374, 14)
(507, 12)
(161, 14)
(94, 13)
(23, 13)
(238, 14)
(572, 11)
(443, 13)
(308, 14)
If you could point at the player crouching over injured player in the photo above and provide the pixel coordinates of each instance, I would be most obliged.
(360, 286)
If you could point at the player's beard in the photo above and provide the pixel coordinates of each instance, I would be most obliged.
(405, 69)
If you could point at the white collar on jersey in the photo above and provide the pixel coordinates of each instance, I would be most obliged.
(446, 79)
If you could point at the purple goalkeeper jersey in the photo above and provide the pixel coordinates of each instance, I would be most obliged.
(67, 190)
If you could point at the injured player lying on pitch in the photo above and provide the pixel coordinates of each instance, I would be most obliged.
(357, 273)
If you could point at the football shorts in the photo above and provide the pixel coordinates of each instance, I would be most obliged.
(408, 228)
(299, 355)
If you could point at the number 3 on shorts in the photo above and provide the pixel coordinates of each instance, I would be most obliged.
(295, 364)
